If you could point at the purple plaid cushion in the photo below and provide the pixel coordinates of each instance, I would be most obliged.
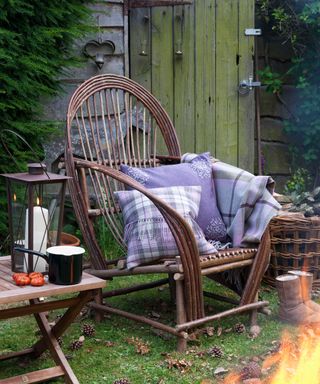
(196, 172)
(147, 234)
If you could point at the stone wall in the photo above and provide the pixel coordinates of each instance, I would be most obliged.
(274, 109)
(109, 16)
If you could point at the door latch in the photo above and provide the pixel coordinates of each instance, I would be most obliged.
(246, 86)
(253, 32)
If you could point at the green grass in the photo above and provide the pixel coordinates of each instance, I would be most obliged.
(110, 355)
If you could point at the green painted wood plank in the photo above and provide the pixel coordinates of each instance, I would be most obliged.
(162, 56)
(184, 67)
(226, 81)
(140, 46)
(246, 102)
(205, 76)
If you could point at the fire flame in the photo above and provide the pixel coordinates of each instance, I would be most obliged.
(38, 201)
(297, 361)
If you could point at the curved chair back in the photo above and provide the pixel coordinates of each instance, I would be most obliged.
(112, 120)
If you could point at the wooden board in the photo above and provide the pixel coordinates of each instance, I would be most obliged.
(246, 102)
(140, 49)
(205, 89)
(226, 81)
(162, 56)
(184, 76)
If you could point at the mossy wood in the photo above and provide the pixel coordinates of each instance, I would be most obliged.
(197, 55)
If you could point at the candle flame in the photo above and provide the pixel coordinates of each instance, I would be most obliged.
(38, 201)
(14, 197)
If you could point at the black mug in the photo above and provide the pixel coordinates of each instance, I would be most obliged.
(65, 263)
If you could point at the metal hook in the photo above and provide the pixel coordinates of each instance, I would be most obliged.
(143, 51)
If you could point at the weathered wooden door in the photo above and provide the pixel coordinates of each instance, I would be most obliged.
(193, 57)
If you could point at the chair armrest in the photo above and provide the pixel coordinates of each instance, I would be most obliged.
(259, 266)
(180, 229)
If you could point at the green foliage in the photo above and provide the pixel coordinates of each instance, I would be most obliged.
(297, 22)
(272, 80)
(70, 223)
(299, 182)
(106, 240)
(36, 47)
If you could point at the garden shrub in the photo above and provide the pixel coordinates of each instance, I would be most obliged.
(36, 46)
(297, 22)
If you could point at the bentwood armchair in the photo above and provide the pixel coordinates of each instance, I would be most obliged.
(114, 121)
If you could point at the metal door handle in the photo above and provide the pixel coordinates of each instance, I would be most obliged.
(246, 86)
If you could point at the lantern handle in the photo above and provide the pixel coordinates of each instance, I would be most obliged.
(25, 142)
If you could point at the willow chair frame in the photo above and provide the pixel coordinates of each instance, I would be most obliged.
(112, 120)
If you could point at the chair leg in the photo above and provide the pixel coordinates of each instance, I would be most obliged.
(181, 314)
(172, 288)
(98, 298)
(254, 328)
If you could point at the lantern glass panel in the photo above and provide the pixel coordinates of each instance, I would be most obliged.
(35, 207)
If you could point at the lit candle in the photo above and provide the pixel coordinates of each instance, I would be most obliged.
(40, 233)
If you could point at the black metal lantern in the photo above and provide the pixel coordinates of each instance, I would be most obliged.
(35, 210)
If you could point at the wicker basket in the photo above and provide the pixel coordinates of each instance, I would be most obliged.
(295, 245)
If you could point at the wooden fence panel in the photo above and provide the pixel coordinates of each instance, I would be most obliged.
(140, 46)
(246, 102)
(205, 90)
(198, 56)
(184, 76)
(226, 80)
(162, 56)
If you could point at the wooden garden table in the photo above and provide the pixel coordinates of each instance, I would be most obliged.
(29, 296)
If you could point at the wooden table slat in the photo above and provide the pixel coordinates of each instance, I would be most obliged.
(5, 285)
(6, 276)
(5, 269)
(35, 377)
(14, 293)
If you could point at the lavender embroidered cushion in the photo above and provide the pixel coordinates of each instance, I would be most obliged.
(147, 234)
(196, 172)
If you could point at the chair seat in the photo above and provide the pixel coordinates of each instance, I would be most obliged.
(226, 256)
(212, 263)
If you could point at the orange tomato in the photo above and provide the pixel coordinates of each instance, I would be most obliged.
(37, 281)
(32, 275)
(17, 275)
(22, 280)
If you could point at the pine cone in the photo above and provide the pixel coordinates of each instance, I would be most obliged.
(88, 330)
(121, 381)
(215, 351)
(76, 344)
(239, 328)
(251, 371)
